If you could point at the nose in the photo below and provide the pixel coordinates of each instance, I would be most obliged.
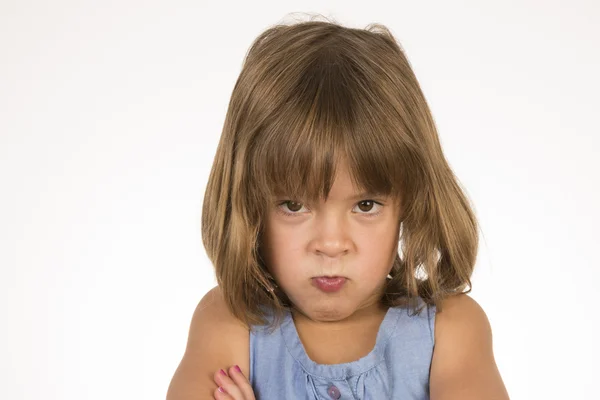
(332, 237)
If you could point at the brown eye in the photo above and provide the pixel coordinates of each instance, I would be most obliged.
(293, 208)
(293, 205)
(368, 207)
(365, 208)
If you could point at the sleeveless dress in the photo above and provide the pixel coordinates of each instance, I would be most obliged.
(396, 368)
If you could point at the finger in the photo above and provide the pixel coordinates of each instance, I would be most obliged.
(221, 394)
(242, 382)
(228, 386)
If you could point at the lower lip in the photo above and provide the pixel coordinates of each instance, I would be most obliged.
(329, 285)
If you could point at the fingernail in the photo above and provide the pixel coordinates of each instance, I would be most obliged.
(238, 369)
(223, 373)
(221, 389)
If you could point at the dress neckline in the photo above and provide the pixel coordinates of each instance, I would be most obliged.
(344, 370)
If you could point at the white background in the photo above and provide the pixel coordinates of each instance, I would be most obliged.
(110, 113)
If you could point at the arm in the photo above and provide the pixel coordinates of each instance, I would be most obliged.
(216, 339)
(463, 365)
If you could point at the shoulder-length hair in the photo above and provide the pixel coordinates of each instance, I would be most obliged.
(310, 93)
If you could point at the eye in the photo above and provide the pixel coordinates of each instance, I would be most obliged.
(364, 206)
(291, 205)
(369, 205)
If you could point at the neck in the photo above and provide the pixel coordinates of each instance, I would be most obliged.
(363, 315)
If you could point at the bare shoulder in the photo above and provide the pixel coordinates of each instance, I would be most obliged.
(460, 309)
(216, 340)
(463, 365)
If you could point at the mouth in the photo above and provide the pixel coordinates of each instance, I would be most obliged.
(329, 284)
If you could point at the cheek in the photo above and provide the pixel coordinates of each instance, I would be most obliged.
(280, 247)
(380, 253)
(382, 247)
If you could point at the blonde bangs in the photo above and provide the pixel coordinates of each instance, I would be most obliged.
(327, 112)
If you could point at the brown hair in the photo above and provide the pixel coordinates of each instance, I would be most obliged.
(309, 94)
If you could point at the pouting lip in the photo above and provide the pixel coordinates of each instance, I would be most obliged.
(329, 277)
(329, 284)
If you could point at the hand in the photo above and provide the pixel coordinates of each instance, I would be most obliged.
(233, 385)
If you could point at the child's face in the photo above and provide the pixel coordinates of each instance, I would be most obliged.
(341, 237)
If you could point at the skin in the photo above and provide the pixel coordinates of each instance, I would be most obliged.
(233, 385)
(335, 238)
(349, 235)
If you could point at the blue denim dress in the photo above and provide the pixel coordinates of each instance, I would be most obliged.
(397, 367)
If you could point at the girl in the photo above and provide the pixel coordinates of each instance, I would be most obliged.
(342, 242)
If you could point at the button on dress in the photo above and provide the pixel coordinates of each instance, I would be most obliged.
(333, 392)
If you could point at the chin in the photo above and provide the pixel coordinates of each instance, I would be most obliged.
(331, 316)
(334, 309)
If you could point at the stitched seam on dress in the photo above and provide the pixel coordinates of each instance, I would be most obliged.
(431, 323)
(336, 379)
(354, 394)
